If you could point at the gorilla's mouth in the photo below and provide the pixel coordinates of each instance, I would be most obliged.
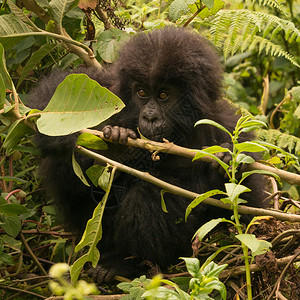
(153, 135)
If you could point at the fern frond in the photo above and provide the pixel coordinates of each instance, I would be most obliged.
(271, 3)
(235, 30)
(282, 140)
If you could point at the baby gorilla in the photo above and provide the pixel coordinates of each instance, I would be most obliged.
(169, 79)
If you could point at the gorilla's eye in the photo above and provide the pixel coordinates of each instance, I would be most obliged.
(142, 93)
(163, 95)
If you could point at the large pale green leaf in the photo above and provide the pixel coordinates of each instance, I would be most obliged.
(79, 102)
(35, 59)
(12, 25)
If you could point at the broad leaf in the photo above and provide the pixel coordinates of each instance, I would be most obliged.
(234, 190)
(11, 30)
(78, 102)
(21, 16)
(60, 7)
(256, 246)
(109, 42)
(11, 225)
(13, 209)
(192, 265)
(91, 141)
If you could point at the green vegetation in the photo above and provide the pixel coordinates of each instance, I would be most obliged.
(259, 45)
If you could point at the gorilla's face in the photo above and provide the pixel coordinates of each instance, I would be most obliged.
(159, 105)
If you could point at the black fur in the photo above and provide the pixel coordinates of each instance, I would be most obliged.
(134, 223)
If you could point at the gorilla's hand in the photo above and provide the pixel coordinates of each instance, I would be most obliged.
(118, 134)
(226, 158)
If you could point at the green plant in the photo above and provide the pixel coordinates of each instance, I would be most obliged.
(204, 280)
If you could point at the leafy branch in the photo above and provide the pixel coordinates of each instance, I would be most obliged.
(17, 26)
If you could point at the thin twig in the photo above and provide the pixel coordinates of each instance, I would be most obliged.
(185, 193)
(24, 242)
(22, 291)
(167, 147)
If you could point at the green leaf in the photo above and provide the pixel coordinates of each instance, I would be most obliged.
(17, 131)
(91, 236)
(250, 147)
(10, 28)
(200, 198)
(207, 227)
(86, 104)
(246, 174)
(21, 15)
(13, 209)
(78, 171)
(35, 59)
(103, 180)
(216, 149)
(213, 269)
(163, 203)
(59, 8)
(253, 123)
(206, 12)
(234, 190)
(213, 123)
(179, 7)
(244, 159)
(2, 91)
(12, 225)
(5, 80)
(192, 265)
(109, 42)
(91, 141)
(203, 153)
(256, 246)
(94, 172)
(162, 293)
(208, 3)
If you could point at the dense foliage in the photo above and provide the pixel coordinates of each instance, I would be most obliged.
(258, 43)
